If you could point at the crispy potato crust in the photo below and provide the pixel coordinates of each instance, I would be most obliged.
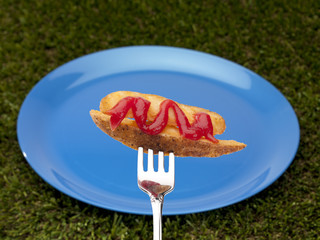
(168, 141)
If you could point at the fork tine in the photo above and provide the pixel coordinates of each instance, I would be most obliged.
(140, 160)
(171, 163)
(150, 160)
(160, 162)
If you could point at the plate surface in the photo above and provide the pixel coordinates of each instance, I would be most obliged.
(63, 145)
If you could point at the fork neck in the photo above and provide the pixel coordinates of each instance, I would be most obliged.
(157, 205)
(157, 197)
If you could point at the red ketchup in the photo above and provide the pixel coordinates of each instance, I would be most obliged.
(201, 127)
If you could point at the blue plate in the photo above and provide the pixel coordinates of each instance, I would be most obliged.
(63, 145)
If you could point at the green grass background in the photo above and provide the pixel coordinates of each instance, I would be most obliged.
(279, 40)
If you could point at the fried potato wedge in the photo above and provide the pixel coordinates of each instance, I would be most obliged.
(112, 99)
(169, 140)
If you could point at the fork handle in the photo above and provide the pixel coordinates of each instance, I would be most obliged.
(157, 204)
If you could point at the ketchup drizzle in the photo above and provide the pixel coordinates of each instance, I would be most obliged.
(201, 127)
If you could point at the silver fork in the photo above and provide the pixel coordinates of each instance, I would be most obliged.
(156, 185)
